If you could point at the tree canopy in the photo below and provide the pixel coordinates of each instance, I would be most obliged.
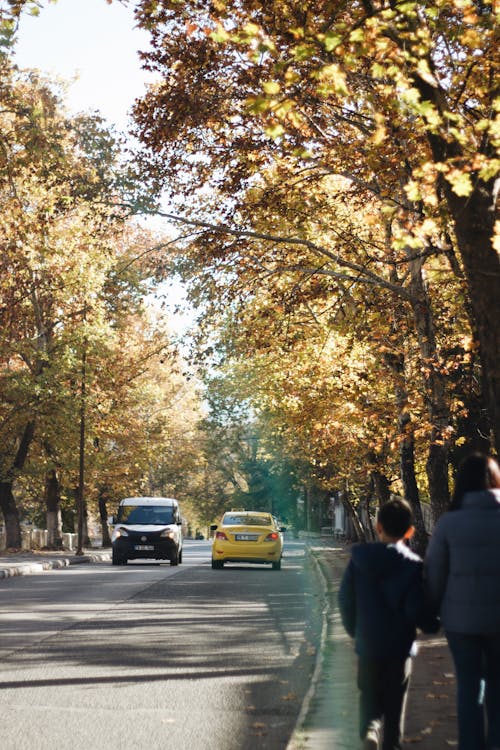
(80, 345)
(333, 172)
(343, 156)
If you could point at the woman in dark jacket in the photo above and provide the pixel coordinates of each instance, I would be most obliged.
(462, 568)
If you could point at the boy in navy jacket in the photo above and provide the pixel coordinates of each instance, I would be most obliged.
(382, 602)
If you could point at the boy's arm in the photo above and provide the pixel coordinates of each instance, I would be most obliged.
(347, 600)
(419, 608)
(427, 619)
(436, 566)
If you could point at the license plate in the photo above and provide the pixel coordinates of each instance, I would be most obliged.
(144, 547)
(245, 537)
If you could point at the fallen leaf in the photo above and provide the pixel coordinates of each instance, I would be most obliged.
(434, 696)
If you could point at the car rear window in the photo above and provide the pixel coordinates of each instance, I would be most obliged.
(145, 515)
(246, 520)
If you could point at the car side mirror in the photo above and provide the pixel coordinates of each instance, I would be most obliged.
(214, 526)
(111, 520)
(283, 528)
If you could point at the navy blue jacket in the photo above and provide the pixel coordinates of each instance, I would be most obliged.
(382, 600)
(463, 565)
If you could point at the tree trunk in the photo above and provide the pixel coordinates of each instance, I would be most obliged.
(434, 393)
(53, 506)
(379, 490)
(103, 515)
(474, 218)
(396, 363)
(11, 516)
(356, 525)
(85, 530)
(370, 534)
(7, 499)
(474, 221)
(410, 487)
(380, 484)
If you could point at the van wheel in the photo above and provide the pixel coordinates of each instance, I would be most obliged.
(217, 564)
(277, 565)
(117, 559)
(174, 560)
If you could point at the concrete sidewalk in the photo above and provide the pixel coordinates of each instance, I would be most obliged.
(331, 719)
(31, 563)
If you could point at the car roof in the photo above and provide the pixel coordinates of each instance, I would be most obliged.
(169, 501)
(248, 513)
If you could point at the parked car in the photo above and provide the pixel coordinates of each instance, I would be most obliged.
(249, 537)
(147, 527)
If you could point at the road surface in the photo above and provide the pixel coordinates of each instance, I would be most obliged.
(97, 657)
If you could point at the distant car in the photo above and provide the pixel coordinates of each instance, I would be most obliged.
(147, 527)
(248, 537)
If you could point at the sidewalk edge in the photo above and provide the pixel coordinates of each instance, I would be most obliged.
(298, 737)
(31, 568)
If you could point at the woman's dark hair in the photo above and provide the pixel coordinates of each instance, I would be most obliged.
(476, 472)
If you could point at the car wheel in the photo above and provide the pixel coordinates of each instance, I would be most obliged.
(180, 557)
(277, 565)
(117, 559)
(174, 560)
(217, 564)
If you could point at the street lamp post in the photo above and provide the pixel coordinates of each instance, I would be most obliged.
(81, 457)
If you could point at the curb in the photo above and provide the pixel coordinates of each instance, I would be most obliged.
(32, 568)
(298, 739)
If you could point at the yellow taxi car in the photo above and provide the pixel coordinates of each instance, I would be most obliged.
(247, 536)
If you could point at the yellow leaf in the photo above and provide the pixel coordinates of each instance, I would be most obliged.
(271, 87)
(337, 76)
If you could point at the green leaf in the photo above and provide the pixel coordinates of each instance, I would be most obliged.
(460, 182)
(331, 40)
(275, 131)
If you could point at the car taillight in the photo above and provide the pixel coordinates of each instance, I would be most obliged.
(271, 537)
(220, 535)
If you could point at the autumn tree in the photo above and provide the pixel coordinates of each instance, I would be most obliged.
(76, 340)
(398, 97)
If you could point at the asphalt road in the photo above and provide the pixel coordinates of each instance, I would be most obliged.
(98, 657)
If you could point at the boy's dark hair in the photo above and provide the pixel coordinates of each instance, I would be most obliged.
(396, 517)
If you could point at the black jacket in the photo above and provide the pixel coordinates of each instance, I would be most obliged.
(382, 600)
(463, 565)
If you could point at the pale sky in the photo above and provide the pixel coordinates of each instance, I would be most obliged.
(92, 40)
(98, 43)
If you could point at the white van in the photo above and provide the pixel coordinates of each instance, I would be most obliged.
(147, 527)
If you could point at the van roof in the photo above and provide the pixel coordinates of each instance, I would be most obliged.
(149, 501)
